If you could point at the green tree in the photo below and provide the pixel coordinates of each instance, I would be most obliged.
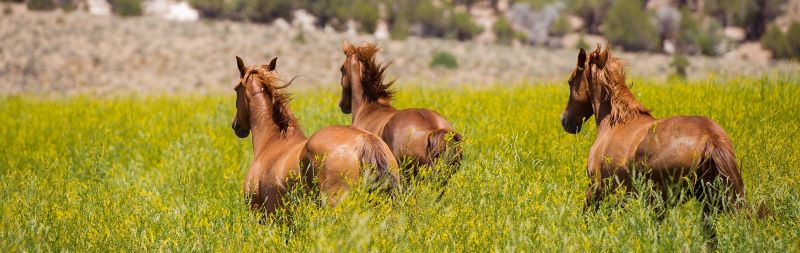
(629, 26)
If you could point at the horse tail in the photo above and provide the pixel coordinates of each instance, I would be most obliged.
(722, 159)
(378, 164)
(444, 144)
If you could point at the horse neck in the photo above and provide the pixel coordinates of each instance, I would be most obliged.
(266, 133)
(604, 109)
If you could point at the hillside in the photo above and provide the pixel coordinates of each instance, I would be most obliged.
(68, 53)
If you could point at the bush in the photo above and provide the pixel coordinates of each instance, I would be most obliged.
(41, 5)
(593, 12)
(680, 63)
(503, 30)
(209, 8)
(629, 26)
(752, 15)
(444, 59)
(400, 28)
(462, 26)
(582, 42)
(126, 8)
(560, 27)
(793, 36)
(775, 41)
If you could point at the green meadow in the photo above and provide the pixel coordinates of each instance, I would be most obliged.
(164, 173)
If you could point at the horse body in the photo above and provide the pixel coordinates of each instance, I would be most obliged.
(665, 150)
(408, 132)
(685, 151)
(330, 161)
(416, 135)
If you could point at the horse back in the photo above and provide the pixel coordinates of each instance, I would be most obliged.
(407, 132)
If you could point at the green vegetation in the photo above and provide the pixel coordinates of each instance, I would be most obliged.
(165, 174)
(680, 63)
(560, 27)
(503, 30)
(126, 8)
(444, 59)
(629, 26)
(40, 5)
(783, 45)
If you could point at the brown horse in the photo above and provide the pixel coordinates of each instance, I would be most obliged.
(418, 136)
(331, 159)
(630, 140)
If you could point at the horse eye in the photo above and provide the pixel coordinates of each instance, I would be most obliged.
(342, 69)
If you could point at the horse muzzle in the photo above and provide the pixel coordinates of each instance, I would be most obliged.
(570, 126)
(345, 109)
(239, 132)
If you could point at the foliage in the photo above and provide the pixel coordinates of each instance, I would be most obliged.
(753, 15)
(629, 26)
(775, 41)
(582, 42)
(462, 26)
(126, 8)
(444, 59)
(593, 12)
(165, 174)
(40, 5)
(560, 27)
(696, 38)
(680, 63)
(793, 36)
(400, 28)
(503, 30)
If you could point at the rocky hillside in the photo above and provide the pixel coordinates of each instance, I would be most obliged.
(68, 53)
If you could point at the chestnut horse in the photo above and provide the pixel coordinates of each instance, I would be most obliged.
(416, 136)
(331, 159)
(630, 140)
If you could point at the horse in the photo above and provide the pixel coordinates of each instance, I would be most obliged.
(328, 162)
(630, 140)
(417, 137)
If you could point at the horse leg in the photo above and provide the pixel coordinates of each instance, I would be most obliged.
(594, 193)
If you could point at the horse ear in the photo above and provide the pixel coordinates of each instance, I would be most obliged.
(272, 64)
(240, 64)
(602, 58)
(347, 47)
(581, 59)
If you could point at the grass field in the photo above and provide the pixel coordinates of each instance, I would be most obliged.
(165, 173)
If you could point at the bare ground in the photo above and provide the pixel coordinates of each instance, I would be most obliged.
(72, 53)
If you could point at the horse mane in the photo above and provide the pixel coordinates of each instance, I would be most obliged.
(372, 74)
(281, 114)
(611, 78)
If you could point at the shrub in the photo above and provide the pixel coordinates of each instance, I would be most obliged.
(560, 26)
(503, 30)
(462, 26)
(7, 10)
(444, 59)
(400, 28)
(68, 5)
(209, 8)
(680, 63)
(126, 8)
(628, 25)
(753, 15)
(775, 41)
(793, 36)
(593, 12)
(582, 42)
(265, 11)
(41, 5)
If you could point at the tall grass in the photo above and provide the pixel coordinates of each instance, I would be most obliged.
(165, 173)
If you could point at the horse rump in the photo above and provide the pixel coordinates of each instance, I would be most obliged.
(444, 144)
